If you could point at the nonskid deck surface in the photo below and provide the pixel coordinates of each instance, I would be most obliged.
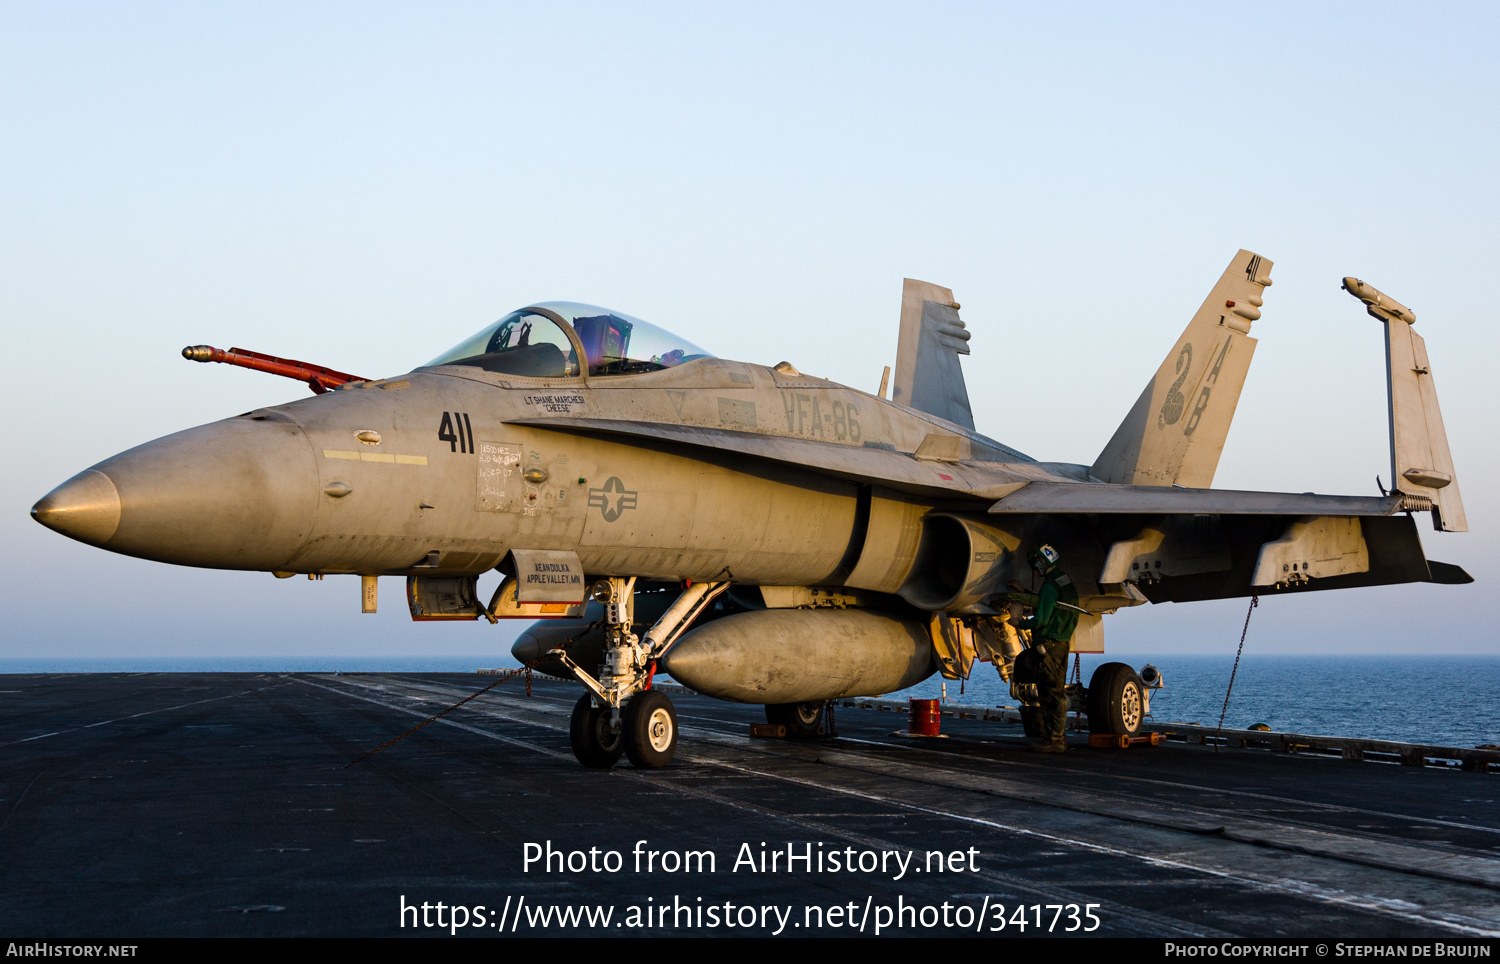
(219, 804)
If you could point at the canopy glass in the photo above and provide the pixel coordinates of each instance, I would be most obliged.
(532, 342)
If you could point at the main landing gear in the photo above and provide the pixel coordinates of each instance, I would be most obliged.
(1117, 701)
(621, 713)
(803, 721)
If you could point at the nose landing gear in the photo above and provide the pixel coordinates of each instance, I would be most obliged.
(621, 713)
(595, 743)
(650, 730)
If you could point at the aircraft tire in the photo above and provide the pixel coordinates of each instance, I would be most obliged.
(594, 744)
(803, 721)
(1116, 701)
(650, 730)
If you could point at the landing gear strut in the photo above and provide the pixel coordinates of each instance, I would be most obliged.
(621, 713)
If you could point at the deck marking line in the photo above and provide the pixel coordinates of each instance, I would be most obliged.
(1159, 861)
(17, 805)
(1185, 928)
(1367, 903)
(1270, 837)
(121, 719)
(1283, 885)
(1302, 888)
(1127, 777)
(462, 726)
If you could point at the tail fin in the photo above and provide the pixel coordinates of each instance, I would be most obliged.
(928, 376)
(1175, 432)
(1421, 465)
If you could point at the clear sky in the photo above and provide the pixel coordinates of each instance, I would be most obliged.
(362, 185)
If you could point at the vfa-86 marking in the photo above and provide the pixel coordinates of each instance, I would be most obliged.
(781, 539)
(810, 416)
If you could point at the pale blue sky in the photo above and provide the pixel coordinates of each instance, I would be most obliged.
(362, 185)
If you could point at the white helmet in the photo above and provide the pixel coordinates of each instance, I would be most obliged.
(1043, 557)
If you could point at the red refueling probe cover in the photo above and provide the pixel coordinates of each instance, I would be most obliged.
(318, 378)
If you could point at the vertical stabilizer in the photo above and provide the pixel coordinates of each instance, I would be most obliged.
(1175, 432)
(928, 376)
(1421, 465)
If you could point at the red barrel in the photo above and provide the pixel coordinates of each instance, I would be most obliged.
(923, 718)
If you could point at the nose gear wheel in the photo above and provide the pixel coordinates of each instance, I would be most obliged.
(594, 743)
(650, 730)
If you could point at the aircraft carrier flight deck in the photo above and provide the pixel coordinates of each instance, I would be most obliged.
(222, 805)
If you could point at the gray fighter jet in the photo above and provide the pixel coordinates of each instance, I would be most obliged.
(762, 535)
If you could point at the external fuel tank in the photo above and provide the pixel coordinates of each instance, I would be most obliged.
(798, 655)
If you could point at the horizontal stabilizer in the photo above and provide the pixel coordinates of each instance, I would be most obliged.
(1087, 497)
(1447, 574)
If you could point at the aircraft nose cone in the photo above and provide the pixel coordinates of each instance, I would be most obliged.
(582, 638)
(527, 649)
(236, 494)
(86, 508)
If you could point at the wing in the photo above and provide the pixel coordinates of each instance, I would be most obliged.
(1181, 545)
(1073, 498)
(1033, 488)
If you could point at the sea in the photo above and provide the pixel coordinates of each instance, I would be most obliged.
(1437, 700)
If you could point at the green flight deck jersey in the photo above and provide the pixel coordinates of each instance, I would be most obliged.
(1052, 621)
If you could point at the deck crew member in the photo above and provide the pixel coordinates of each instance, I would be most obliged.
(1046, 661)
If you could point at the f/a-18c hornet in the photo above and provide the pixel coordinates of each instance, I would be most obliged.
(761, 535)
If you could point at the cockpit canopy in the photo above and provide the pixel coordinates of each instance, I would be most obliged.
(537, 342)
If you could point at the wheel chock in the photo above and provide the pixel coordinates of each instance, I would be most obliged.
(1119, 741)
(774, 730)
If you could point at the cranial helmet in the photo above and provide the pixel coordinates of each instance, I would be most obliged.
(1043, 557)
